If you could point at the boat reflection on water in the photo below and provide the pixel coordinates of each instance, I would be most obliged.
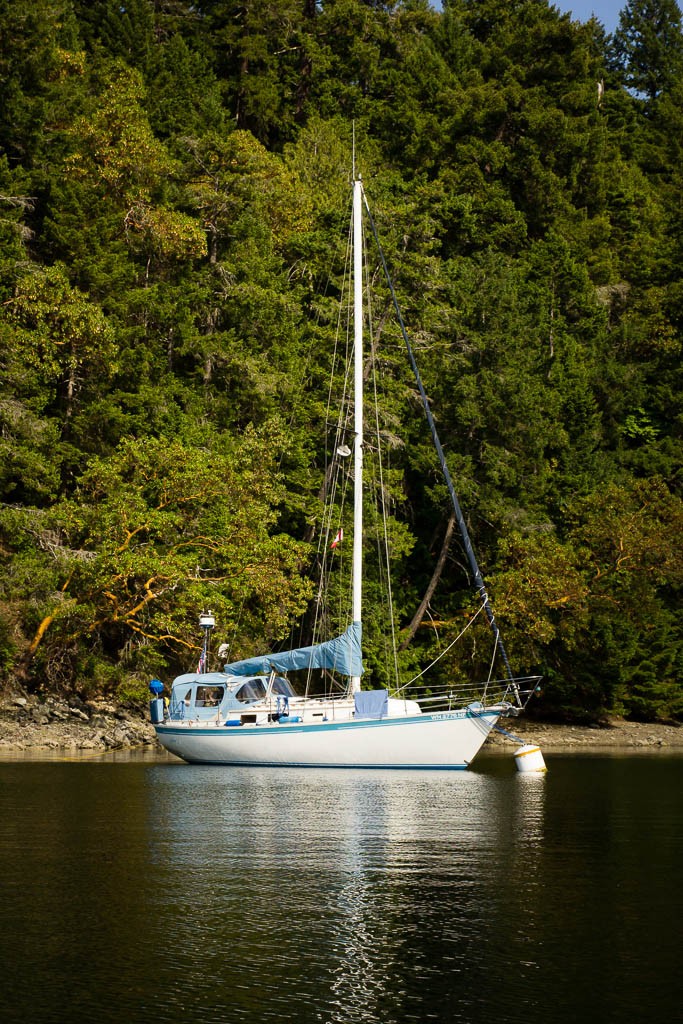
(351, 880)
(183, 895)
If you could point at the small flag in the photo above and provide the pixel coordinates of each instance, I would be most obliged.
(201, 665)
(338, 539)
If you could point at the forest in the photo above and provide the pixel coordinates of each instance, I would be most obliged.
(174, 199)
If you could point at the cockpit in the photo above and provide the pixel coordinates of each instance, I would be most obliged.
(204, 699)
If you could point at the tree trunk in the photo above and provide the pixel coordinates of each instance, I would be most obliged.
(436, 576)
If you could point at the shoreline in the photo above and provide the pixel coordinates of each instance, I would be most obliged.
(618, 734)
(89, 728)
(74, 727)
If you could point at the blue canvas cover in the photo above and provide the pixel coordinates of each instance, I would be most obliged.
(371, 703)
(342, 655)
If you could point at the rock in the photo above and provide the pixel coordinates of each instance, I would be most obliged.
(20, 702)
(77, 713)
(115, 738)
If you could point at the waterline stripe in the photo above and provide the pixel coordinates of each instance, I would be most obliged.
(326, 764)
(286, 729)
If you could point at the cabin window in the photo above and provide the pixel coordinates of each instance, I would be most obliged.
(209, 696)
(253, 690)
(282, 687)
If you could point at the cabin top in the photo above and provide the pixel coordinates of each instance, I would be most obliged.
(202, 696)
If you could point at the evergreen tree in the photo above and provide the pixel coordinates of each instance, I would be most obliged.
(648, 46)
(174, 187)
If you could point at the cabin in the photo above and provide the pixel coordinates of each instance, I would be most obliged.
(218, 697)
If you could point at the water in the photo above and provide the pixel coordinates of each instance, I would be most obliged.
(154, 891)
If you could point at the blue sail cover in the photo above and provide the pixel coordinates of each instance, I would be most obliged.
(342, 654)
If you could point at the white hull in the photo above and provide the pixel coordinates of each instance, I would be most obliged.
(439, 740)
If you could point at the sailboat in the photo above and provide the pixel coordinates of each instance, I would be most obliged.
(250, 714)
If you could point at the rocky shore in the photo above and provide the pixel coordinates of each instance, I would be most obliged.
(28, 723)
(74, 727)
(614, 735)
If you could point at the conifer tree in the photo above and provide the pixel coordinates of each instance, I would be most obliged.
(648, 46)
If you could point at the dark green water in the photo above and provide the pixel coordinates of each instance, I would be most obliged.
(160, 892)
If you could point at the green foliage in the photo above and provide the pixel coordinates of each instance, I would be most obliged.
(648, 46)
(174, 185)
(8, 645)
(161, 528)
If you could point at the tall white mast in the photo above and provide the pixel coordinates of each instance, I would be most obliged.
(357, 569)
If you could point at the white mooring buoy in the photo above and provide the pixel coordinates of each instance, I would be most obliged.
(529, 758)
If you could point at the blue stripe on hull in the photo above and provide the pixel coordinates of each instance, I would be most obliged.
(265, 730)
(347, 767)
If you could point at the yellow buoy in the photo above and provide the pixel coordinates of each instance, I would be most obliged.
(529, 758)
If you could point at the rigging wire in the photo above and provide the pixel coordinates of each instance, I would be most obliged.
(337, 480)
(335, 476)
(382, 556)
(445, 651)
(481, 587)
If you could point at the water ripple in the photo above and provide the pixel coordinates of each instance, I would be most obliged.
(199, 895)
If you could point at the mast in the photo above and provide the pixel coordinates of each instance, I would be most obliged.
(357, 565)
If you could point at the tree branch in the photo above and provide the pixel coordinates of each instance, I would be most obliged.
(436, 576)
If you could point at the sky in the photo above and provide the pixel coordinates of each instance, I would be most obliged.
(606, 11)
